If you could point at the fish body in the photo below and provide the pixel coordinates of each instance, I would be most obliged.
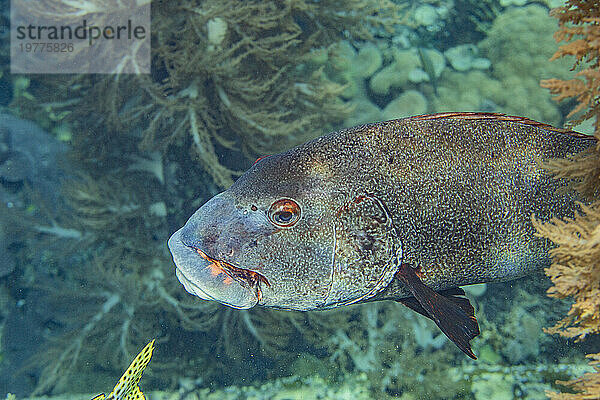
(405, 210)
(127, 387)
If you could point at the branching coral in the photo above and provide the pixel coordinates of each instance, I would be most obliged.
(242, 91)
(380, 340)
(575, 271)
(113, 280)
(110, 304)
(579, 19)
(104, 309)
(587, 387)
(227, 75)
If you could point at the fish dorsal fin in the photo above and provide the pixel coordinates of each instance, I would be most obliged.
(127, 387)
(453, 314)
(497, 117)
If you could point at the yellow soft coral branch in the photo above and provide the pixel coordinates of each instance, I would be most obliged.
(579, 19)
(587, 387)
(575, 271)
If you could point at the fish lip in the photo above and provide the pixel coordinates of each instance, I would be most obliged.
(181, 252)
(245, 277)
(181, 275)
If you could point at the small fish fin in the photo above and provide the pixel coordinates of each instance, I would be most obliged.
(135, 394)
(128, 384)
(452, 292)
(454, 315)
(414, 305)
(101, 396)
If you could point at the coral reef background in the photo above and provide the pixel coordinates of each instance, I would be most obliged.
(86, 283)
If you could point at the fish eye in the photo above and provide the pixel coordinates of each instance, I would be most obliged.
(284, 213)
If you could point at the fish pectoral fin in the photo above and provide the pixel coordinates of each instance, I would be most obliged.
(101, 396)
(451, 312)
(451, 294)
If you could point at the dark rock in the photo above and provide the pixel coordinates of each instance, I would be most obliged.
(27, 152)
(16, 167)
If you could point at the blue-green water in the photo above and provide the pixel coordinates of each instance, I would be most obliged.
(97, 171)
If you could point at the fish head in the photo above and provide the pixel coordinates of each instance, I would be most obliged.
(291, 234)
(268, 240)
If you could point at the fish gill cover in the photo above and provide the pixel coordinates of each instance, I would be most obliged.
(232, 81)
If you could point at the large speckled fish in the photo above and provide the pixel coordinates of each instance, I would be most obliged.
(405, 210)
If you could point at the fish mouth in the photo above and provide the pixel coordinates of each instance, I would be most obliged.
(245, 277)
(213, 279)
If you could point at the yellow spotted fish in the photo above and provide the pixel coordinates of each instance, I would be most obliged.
(127, 388)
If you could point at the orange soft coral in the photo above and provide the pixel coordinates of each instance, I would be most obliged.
(587, 387)
(579, 19)
(575, 271)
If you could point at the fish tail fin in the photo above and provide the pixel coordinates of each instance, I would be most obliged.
(127, 388)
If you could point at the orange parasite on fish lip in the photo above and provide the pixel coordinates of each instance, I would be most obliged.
(232, 273)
